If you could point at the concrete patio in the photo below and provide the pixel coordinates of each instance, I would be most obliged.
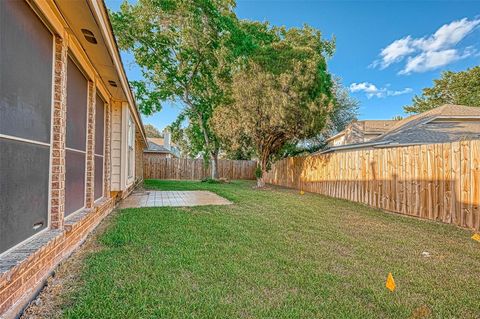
(173, 198)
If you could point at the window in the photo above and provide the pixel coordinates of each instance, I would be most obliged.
(26, 67)
(75, 148)
(131, 148)
(99, 146)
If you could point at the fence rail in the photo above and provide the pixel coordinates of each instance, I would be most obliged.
(437, 181)
(194, 169)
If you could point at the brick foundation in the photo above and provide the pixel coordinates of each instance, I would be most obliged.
(25, 267)
(37, 258)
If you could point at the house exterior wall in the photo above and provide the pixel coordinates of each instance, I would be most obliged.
(340, 140)
(148, 155)
(358, 132)
(25, 266)
(138, 158)
(116, 145)
(43, 254)
(354, 133)
(57, 208)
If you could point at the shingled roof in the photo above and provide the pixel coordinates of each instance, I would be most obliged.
(154, 146)
(377, 126)
(447, 123)
(365, 127)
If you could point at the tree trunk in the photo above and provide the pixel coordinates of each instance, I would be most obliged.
(263, 167)
(261, 182)
(214, 166)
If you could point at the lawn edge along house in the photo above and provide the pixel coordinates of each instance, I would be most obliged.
(71, 138)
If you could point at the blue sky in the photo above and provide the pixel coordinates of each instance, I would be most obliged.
(387, 51)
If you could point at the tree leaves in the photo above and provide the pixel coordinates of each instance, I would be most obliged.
(461, 88)
(283, 92)
(152, 131)
(184, 50)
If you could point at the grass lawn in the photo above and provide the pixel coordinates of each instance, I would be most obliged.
(276, 254)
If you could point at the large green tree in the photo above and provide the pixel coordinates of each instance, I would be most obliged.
(184, 49)
(452, 88)
(282, 94)
(152, 131)
(345, 111)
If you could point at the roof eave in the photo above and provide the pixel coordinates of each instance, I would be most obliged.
(341, 133)
(351, 146)
(111, 43)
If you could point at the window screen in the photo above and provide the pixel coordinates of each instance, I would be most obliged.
(74, 181)
(99, 125)
(77, 100)
(24, 171)
(99, 146)
(98, 188)
(26, 58)
(26, 55)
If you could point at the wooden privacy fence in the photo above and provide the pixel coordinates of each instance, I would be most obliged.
(437, 181)
(194, 169)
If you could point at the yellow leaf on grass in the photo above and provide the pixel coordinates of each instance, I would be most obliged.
(476, 237)
(390, 284)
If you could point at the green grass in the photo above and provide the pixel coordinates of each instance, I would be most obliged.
(276, 254)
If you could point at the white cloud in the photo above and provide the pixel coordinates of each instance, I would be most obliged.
(364, 86)
(431, 60)
(447, 35)
(429, 52)
(371, 90)
(395, 52)
(401, 92)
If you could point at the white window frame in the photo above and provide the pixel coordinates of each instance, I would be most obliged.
(130, 149)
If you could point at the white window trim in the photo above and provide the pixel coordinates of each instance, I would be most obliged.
(130, 149)
(125, 180)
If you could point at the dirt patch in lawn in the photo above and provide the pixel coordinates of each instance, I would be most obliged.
(66, 279)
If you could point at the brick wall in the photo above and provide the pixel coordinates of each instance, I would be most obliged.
(42, 254)
(90, 169)
(139, 147)
(153, 155)
(108, 149)
(24, 269)
(58, 138)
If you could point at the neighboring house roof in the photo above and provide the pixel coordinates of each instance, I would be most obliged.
(443, 124)
(159, 141)
(154, 147)
(368, 127)
(377, 126)
(447, 123)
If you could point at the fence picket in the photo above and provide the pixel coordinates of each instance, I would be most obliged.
(155, 167)
(437, 182)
